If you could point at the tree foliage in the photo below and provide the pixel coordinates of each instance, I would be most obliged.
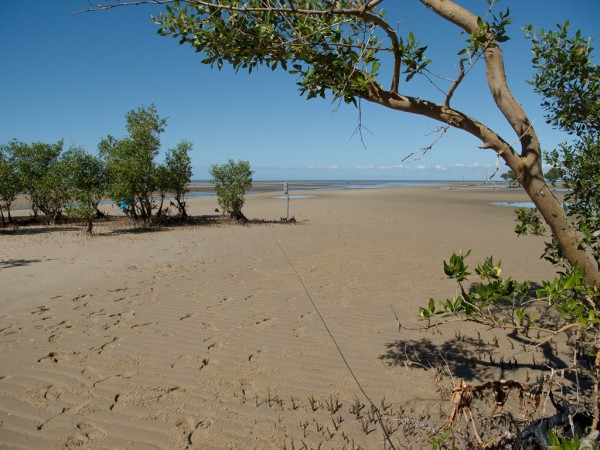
(567, 79)
(323, 48)
(53, 180)
(134, 176)
(529, 222)
(569, 83)
(75, 181)
(178, 166)
(567, 304)
(10, 182)
(41, 175)
(579, 164)
(130, 164)
(554, 175)
(232, 180)
(86, 184)
(511, 177)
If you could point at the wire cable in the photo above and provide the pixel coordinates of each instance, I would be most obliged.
(373, 407)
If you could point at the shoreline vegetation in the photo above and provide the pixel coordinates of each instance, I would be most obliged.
(203, 336)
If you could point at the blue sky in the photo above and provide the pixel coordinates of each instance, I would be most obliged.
(74, 76)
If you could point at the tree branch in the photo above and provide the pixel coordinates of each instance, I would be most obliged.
(496, 77)
(460, 77)
(363, 12)
(449, 116)
(441, 131)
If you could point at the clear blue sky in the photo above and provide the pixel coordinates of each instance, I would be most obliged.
(74, 76)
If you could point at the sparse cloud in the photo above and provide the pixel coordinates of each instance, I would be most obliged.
(381, 167)
(477, 165)
(457, 168)
(327, 167)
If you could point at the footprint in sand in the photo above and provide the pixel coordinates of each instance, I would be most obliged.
(306, 316)
(51, 393)
(299, 332)
(117, 290)
(140, 325)
(11, 329)
(99, 312)
(207, 325)
(116, 400)
(102, 347)
(55, 357)
(57, 330)
(119, 318)
(81, 297)
(91, 432)
(214, 345)
(253, 356)
(205, 362)
(263, 321)
(186, 429)
(182, 361)
(60, 326)
(83, 305)
(40, 310)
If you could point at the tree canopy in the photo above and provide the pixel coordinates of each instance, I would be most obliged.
(569, 83)
(178, 167)
(10, 182)
(39, 169)
(74, 181)
(86, 184)
(130, 160)
(232, 180)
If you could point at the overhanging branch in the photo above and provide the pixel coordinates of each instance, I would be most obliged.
(364, 12)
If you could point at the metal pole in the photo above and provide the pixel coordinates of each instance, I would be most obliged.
(286, 192)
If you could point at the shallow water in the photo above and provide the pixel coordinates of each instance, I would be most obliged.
(515, 204)
(294, 196)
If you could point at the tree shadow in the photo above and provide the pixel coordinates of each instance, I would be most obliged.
(17, 263)
(36, 230)
(479, 359)
(468, 358)
(122, 227)
(28, 226)
(134, 229)
(125, 226)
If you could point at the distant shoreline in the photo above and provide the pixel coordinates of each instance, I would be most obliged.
(203, 189)
(259, 187)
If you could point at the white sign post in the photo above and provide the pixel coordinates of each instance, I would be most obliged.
(285, 192)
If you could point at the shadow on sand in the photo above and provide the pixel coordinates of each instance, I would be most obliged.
(17, 263)
(111, 226)
(467, 358)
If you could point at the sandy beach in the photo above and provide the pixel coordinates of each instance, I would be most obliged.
(207, 337)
